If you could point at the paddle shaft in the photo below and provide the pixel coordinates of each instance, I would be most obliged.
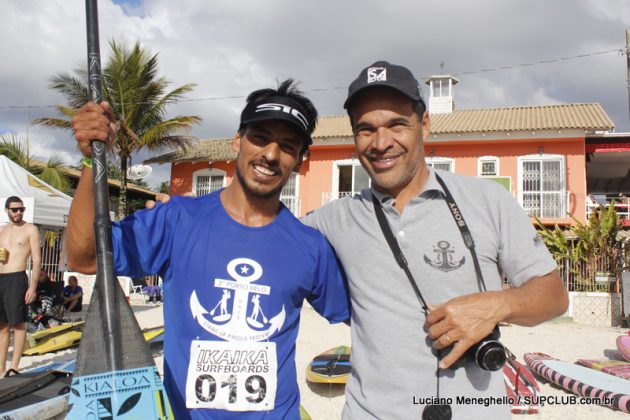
(105, 276)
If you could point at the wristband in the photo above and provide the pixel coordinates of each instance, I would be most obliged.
(86, 161)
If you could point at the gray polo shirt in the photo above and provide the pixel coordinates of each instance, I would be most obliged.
(394, 367)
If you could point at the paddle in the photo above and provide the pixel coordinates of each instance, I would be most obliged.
(115, 375)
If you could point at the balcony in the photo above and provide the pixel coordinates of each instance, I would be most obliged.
(622, 207)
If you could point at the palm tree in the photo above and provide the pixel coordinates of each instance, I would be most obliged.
(138, 98)
(51, 172)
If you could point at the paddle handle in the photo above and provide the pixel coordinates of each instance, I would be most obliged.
(105, 275)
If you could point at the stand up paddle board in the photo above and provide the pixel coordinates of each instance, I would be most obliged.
(601, 387)
(623, 345)
(330, 367)
(611, 367)
(521, 387)
(34, 395)
(71, 337)
(37, 337)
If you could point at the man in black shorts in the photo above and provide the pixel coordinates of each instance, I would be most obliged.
(19, 240)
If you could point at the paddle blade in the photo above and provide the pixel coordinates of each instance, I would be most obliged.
(125, 384)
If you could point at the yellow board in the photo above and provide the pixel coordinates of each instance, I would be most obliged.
(37, 337)
(304, 414)
(152, 333)
(72, 338)
(330, 367)
(60, 342)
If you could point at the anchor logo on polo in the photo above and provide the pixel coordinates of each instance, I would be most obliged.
(238, 325)
(444, 261)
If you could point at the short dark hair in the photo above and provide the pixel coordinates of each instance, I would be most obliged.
(12, 199)
(287, 89)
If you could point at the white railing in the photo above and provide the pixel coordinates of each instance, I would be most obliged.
(292, 203)
(328, 196)
(622, 207)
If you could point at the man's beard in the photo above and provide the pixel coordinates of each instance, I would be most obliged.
(258, 194)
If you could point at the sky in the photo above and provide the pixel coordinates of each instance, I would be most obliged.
(229, 48)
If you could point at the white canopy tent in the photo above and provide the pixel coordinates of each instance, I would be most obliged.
(46, 206)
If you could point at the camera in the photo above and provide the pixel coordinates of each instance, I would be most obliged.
(489, 354)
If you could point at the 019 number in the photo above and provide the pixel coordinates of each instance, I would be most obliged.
(206, 388)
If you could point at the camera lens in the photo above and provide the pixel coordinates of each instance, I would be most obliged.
(490, 355)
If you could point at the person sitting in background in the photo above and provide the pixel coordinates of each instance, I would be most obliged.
(153, 290)
(45, 293)
(47, 298)
(72, 296)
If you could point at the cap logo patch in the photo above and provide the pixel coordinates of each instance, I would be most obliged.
(376, 74)
(286, 109)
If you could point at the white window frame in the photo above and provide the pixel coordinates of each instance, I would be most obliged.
(335, 175)
(432, 160)
(210, 172)
(563, 177)
(444, 89)
(485, 159)
(295, 209)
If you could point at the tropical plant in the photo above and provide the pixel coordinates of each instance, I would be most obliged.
(51, 172)
(165, 187)
(139, 99)
(591, 247)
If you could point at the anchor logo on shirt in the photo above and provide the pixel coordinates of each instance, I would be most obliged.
(444, 261)
(244, 273)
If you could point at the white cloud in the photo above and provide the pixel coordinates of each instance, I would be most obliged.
(229, 48)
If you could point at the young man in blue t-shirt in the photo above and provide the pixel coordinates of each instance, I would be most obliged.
(236, 265)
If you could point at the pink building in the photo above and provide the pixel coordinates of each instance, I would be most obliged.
(541, 154)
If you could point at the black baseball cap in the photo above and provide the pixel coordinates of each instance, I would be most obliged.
(383, 73)
(279, 108)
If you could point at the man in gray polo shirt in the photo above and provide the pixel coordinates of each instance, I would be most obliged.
(394, 345)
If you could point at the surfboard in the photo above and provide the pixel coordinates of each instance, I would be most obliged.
(34, 338)
(65, 365)
(34, 395)
(304, 414)
(330, 367)
(71, 337)
(611, 367)
(623, 345)
(581, 380)
(521, 387)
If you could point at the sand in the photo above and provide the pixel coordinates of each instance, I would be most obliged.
(560, 338)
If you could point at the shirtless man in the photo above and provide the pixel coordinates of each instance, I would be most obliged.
(19, 240)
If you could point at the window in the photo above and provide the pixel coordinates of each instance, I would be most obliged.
(206, 181)
(488, 166)
(542, 186)
(290, 196)
(443, 164)
(441, 88)
(349, 178)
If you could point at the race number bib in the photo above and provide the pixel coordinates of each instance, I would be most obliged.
(233, 376)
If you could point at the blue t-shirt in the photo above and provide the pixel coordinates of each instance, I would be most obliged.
(68, 292)
(233, 295)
